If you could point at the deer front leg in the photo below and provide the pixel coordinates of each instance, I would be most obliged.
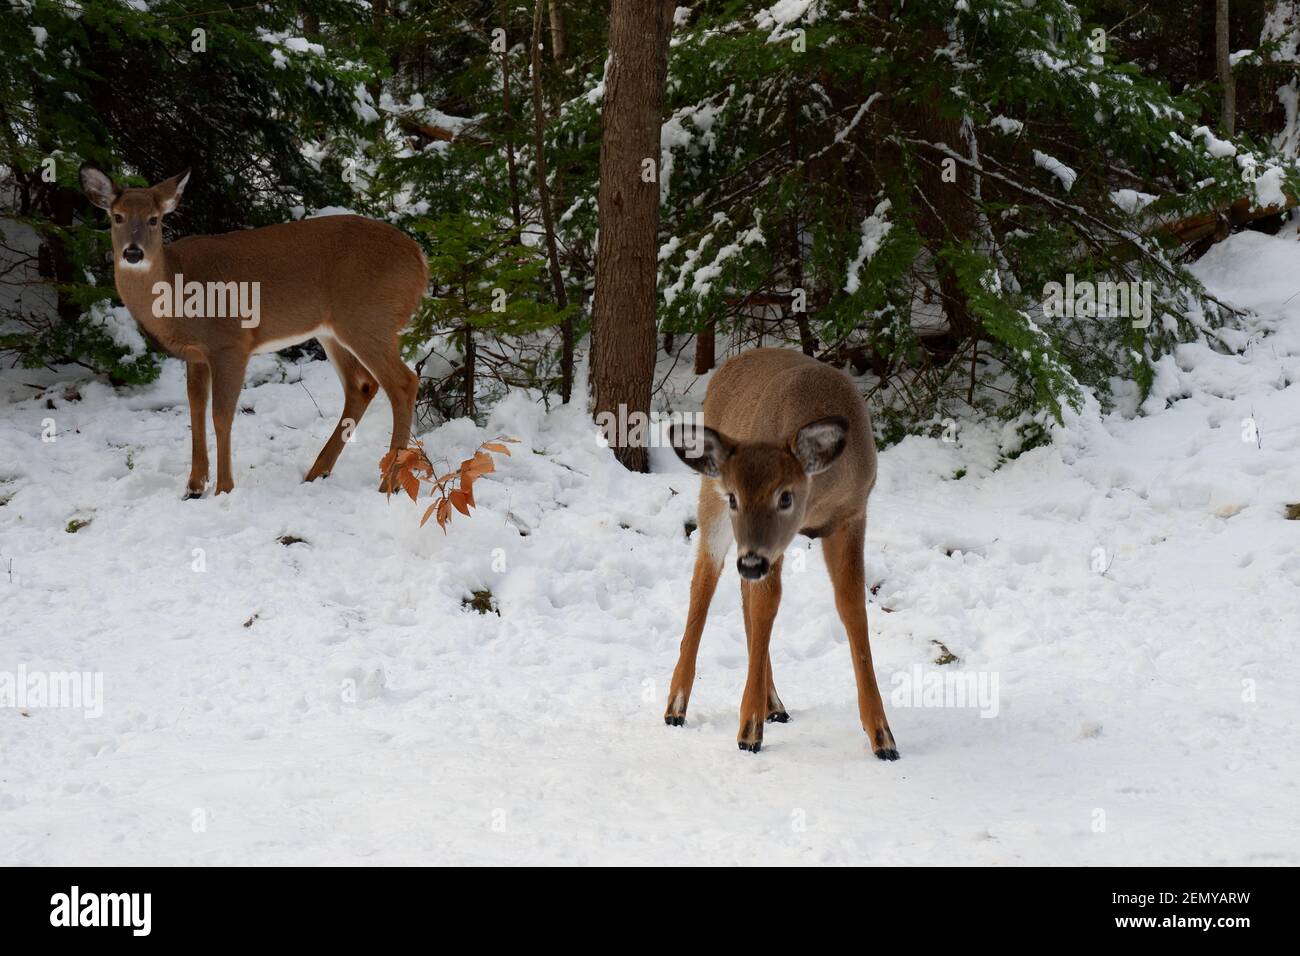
(227, 381)
(763, 598)
(843, 551)
(198, 381)
(714, 540)
(776, 712)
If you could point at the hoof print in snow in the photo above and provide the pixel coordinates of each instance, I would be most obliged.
(481, 601)
(690, 527)
(289, 539)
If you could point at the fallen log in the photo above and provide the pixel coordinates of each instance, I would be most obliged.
(1220, 224)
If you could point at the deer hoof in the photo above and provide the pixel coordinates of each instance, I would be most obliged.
(675, 715)
(751, 735)
(778, 717)
(884, 747)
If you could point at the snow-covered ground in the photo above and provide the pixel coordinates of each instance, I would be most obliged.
(331, 701)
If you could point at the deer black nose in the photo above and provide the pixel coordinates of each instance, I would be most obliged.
(752, 566)
(132, 254)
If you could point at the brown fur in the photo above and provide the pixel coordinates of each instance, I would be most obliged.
(351, 282)
(771, 416)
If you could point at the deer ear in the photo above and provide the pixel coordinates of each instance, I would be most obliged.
(99, 189)
(169, 191)
(819, 443)
(701, 448)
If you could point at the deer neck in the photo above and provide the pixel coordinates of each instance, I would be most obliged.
(137, 287)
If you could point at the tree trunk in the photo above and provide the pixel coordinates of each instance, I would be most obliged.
(944, 215)
(470, 371)
(557, 30)
(624, 310)
(1228, 120)
(706, 346)
(806, 341)
(1205, 68)
(548, 217)
(512, 170)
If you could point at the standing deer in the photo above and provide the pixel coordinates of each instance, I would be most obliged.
(349, 282)
(786, 449)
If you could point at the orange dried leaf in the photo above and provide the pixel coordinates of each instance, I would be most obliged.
(428, 513)
(497, 447)
(458, 500)
(480, 464)
(411, 485)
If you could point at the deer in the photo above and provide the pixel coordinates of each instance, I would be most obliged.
(349, 282)
(785, 448)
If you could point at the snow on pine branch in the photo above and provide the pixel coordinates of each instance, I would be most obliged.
(1064, 173)
(874, 229)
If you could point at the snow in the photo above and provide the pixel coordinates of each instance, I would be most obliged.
(121, 328)
(1217, 148)
(1132, 201)
(330, 701)
(1057, 168)
(1269, 189)
(783, 14)
(874, 230)
(1006, 125)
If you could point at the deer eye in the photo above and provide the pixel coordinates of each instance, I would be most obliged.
(786, 501)
(731, 500)
(118, 217)
(153, 220)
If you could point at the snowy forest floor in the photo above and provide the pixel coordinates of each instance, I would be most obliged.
(332, 702)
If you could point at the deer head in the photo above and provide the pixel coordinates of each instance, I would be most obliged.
(135, 214)
(766, 484)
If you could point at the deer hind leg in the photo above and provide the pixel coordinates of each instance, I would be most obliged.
(714, 542)
(359, 387)
(843, 551)
(198, 385)
(227, 382)
(382, 357)
(763, 598)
